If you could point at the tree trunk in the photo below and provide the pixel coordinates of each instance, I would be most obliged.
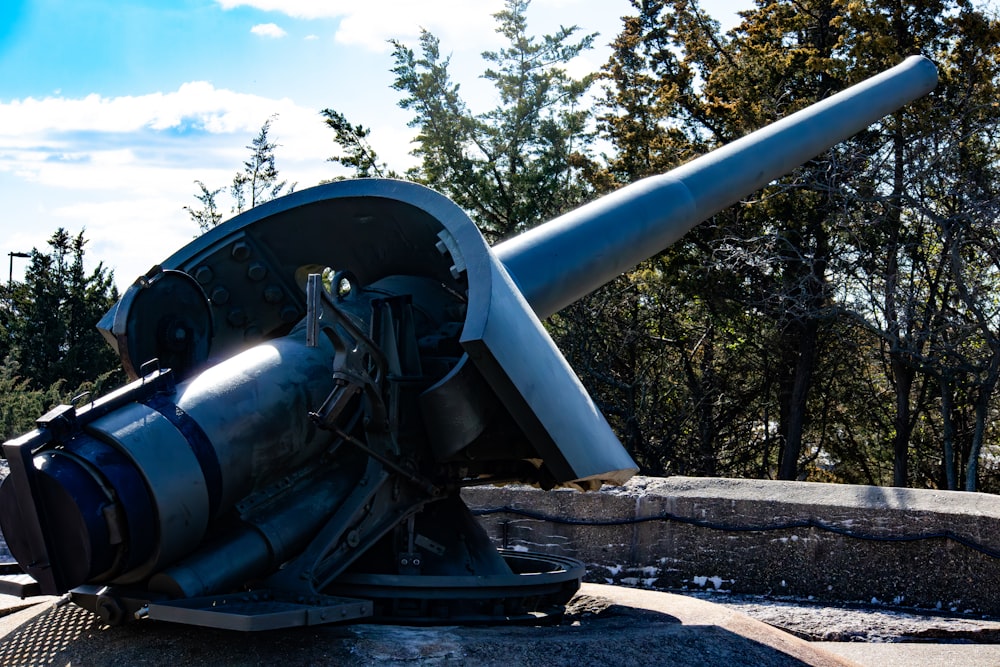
(948, 434)
(986, 392)
(798, 396)
(903, 376)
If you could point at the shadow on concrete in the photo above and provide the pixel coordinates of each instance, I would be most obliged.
(595, 633)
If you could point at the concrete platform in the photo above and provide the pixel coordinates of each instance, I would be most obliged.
(918, 655)
(604, 625)
(722, 535)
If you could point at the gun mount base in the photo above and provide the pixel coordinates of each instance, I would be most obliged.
(538, 588)
(436, 567)
(248, 611)
(536, 591)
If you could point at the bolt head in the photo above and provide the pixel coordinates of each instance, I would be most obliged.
(257, 271)
(236, 317)
(241, 251)
(220, 296)
(203, 275)
(273, 294)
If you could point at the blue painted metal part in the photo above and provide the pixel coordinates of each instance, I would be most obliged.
(375, 228)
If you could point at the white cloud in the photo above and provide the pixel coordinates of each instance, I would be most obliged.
(313, 9)
(130, 234)
(459, 23)
(272, 30)
(124, 167)
(194, 105)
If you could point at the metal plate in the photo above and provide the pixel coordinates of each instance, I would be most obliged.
(19, 585)
(260, 610)
(538, 587)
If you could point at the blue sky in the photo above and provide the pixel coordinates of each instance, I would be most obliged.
(110, 109)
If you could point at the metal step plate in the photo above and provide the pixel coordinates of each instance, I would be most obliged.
(14, 582)
(260, 610)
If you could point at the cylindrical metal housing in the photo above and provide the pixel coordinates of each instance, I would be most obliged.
(254, 408)
(138, 488)
(563, 260)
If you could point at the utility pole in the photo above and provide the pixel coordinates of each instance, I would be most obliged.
(12, 255)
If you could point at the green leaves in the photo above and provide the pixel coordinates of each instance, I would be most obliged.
(51, 341)
(358, 152)
(258, 182)
(519, 163)
(255, 184)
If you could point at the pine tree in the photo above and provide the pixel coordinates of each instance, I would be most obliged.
(255, 184)
(53, 340)
(258, 182)
(358, 154)
(510, 167)
(866, 217)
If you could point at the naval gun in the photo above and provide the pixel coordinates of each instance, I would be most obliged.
(315, 380)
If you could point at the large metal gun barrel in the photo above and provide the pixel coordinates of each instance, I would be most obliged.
(316, 379)
(558, 262)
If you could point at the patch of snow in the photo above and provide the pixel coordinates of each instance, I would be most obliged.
(716, 581)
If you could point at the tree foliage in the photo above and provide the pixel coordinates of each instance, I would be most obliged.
(20, 404)
(208, 214)
(50, 347)
(358, 154)
(856, 263)
(509, 167)
(256, 183)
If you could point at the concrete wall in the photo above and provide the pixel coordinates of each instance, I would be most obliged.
(804, 562)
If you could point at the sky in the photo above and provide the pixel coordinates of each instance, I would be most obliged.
(111, 109)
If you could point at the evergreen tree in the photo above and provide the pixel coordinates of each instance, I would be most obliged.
(258, 182)
(52, 335)
(21, 405)
(865, 217)
(358, 153)
(510, 167)
(208, 215)
(255, 184)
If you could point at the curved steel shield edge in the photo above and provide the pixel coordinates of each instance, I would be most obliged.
(376, 228)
